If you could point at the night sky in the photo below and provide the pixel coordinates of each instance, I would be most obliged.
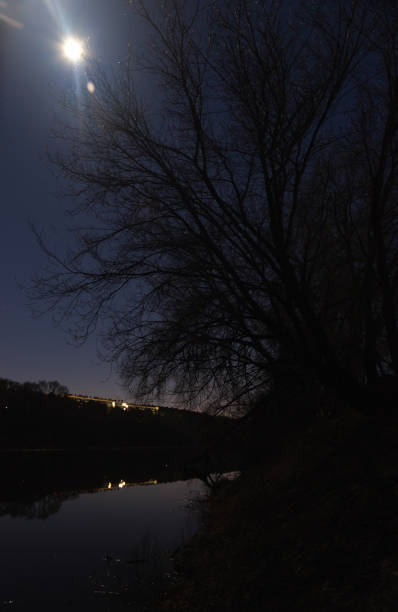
(34, 74)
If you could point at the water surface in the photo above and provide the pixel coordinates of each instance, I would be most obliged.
(102, 548)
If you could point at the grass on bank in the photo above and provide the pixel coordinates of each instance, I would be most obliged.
(315, 528)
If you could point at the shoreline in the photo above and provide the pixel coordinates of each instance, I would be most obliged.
(315, 528)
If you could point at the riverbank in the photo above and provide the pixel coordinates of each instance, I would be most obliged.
(315, 528)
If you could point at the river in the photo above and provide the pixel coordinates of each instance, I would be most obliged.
(91, 531)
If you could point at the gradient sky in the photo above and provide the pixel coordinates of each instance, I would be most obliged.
(33, 76)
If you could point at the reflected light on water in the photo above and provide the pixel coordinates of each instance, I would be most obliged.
(122, 483)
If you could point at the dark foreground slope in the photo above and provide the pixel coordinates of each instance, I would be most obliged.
(314, 529)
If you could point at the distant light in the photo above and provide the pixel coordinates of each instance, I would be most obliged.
(73, 49)
(91, 87)
(121, 484)
(109, 485)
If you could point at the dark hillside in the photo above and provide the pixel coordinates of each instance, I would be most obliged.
(31, 418)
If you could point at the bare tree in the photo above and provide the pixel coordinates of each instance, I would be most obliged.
(247, 213)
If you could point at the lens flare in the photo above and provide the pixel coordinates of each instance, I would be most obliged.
(9, 20)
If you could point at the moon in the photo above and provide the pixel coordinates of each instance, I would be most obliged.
(73, 49)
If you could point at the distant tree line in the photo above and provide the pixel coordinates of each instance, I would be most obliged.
(41, 415)
(48, 387)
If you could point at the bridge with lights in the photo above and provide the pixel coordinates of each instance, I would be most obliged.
(112, 403)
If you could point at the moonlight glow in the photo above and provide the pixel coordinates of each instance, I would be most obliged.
(73, 49)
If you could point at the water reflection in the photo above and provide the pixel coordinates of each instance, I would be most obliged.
(36, 485)
(99, 549)
(41, 509)
(106, 525)
(51, 503)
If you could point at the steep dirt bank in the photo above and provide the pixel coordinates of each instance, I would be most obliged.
(315, 529)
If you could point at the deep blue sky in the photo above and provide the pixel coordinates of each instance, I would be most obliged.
(33, 75)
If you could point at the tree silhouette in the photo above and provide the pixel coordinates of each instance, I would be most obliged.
(244, 217)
